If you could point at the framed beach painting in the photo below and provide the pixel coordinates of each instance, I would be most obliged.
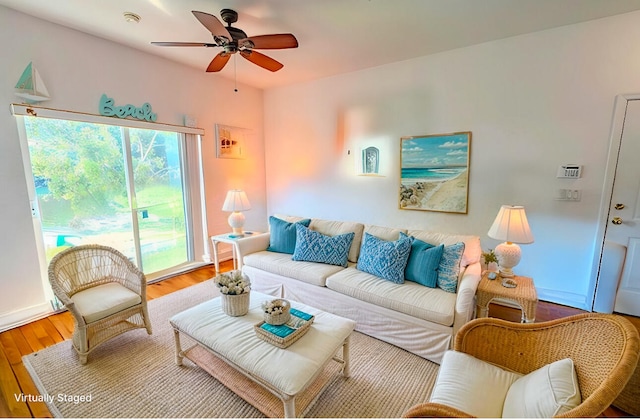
(434, 172)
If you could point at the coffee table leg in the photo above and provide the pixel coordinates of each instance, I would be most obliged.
(176, 335)
(289, 407)
(346, 371)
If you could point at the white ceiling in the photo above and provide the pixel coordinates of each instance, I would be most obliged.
(335, 36)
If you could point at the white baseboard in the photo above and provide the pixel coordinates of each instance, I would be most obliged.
(563, 298)
(24, 316)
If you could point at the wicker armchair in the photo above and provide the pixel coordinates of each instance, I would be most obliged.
(103, 290)
(604, 349)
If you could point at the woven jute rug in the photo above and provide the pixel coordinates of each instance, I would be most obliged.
(135, 375)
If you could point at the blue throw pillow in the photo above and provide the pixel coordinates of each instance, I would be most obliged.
(283, 235)
(315, 247)
(449, 268)
(423, 263)
(384, 259)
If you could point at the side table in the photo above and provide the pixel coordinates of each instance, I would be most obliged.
(524, 294)
(229, 238)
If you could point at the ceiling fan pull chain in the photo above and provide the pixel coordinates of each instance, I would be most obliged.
(235, 74)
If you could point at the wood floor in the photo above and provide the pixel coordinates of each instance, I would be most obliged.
(20, 341)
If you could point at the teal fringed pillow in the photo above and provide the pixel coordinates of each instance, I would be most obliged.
(449, 268)
(424, 261)
(385, 259)
(315, 247)
(283, 235)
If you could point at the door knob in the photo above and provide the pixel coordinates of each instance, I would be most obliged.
(616, 221)
(619, 206)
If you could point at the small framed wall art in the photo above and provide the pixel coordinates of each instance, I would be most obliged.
(434, 172)
(231, 141)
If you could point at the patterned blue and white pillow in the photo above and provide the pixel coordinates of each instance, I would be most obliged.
(315, 247)
(384, 259)
(449, 268)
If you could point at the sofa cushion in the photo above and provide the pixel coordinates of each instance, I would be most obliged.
(449, 268)
(386, 259)
(106, 299)
(547, 392)
(410, 298)
(423, 263)
(333, 228)
(283, 234)
(316, 247)
(472, 248)
(282, 264)
(472, 385)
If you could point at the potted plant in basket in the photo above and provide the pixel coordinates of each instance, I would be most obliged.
(235, 287)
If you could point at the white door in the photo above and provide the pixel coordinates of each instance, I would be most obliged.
(623, 223)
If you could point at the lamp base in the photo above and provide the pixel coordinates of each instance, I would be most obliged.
(236, 221)
(508, 255)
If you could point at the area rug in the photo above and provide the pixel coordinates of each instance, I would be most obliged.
(135, 376)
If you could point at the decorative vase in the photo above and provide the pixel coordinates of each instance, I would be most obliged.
(235, 305)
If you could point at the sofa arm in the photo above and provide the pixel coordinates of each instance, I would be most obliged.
(465, 300)
(251, 244)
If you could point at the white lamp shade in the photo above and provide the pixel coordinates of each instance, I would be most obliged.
(511, 225)
(236, 200)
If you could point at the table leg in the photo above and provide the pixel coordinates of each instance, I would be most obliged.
(289, 407)
(179, 357)
(526, 320)
(483, 312)
(346, 367)
(234, 256)
(237, 255)
(216, 261)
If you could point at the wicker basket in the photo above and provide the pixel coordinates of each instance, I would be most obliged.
(278, 319)
(235, 305)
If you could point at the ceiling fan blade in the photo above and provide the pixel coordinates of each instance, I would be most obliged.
(183, 44)
(212, 24)
(269, 42)
(262, 60)
(218, 62)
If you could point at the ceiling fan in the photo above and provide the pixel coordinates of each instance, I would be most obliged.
(234, 40)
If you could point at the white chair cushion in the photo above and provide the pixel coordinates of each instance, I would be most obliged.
(106, 299)
(471, 385)
(547, 392)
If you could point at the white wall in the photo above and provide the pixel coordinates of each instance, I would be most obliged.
(77, 69)
(532, 103)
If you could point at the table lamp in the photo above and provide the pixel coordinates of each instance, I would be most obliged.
(512, 227)
(236, 202)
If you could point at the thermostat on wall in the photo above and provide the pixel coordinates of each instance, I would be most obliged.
(569, 171)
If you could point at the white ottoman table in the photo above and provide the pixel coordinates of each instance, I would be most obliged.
(229, 349)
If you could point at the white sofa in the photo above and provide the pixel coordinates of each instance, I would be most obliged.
(419, 319)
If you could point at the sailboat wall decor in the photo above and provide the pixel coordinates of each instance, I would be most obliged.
(31, 87)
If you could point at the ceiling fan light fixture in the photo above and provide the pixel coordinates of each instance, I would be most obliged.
(234, 40)
(131, 17)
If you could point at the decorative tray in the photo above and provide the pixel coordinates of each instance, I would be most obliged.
(286, 334)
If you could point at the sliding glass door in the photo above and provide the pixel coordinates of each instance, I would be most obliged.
(117, 186)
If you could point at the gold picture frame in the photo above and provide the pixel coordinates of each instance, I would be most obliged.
(434, 172)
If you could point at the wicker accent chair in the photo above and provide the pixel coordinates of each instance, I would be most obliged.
(603, 347)
(103, 290)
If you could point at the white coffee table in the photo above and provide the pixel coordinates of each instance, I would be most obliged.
(222, 341)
